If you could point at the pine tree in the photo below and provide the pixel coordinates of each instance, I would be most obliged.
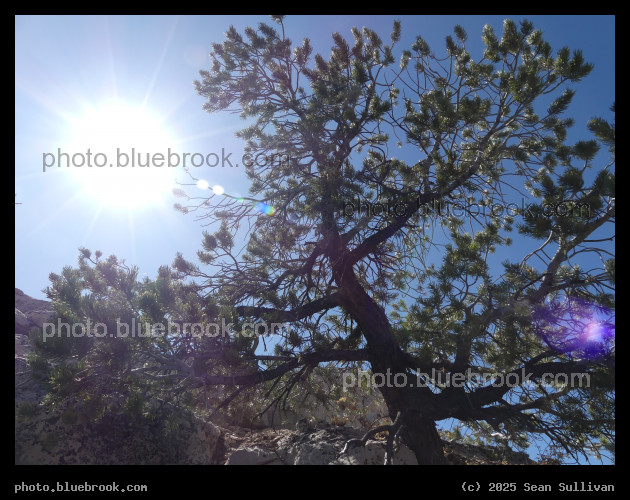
(411, 290)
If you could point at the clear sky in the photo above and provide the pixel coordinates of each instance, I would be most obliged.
(126, 81)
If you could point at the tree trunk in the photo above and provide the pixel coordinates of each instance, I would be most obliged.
(418, 432)
(422, 437)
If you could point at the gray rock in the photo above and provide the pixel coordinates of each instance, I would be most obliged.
(318, 453)
(253, 456)
(22, 324)
(319, 447)
(374, 454)
(38, 318)
(30, 312)
(27, 303)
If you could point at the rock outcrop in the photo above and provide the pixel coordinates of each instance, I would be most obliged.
(30, 312)
(325, 446)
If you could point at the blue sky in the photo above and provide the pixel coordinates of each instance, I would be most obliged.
(137, 72)
(70, 66)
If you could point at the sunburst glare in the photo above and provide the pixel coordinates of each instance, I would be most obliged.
(119, 155)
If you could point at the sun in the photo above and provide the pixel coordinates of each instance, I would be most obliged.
(123, 153)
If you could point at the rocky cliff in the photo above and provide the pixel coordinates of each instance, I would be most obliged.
(30, 312)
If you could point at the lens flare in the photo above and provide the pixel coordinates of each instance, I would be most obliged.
(263, 208)
(578, 327)
(259, 206)
(598, 332)
(593, 332)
